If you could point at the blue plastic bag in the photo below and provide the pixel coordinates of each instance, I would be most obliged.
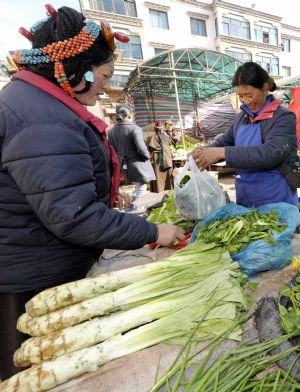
(260, 255)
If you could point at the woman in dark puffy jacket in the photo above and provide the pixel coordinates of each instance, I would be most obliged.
(260, 144)
(58, 175)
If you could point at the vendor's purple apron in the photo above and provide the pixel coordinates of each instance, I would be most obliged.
(254, 188)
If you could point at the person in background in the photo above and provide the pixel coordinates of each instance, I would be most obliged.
(261, 139)
(159, 147)
(173, 133)
(198, 132)
(127, 139)
(169, 127)
(58, 174)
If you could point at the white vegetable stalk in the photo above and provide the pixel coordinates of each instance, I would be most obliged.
(74, 292)
(80, 290)
(152, 287)
(50, 374)
(36, 350)
(193, 290)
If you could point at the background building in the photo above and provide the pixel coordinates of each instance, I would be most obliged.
(155, 26)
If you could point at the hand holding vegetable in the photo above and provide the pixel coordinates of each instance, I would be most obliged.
(169, 235)
(206, 156)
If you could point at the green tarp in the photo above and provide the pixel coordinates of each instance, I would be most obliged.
(199, 74)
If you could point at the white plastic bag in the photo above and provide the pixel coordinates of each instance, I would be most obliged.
(200, 196)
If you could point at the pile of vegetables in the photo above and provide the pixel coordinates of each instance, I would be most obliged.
(79, 326)
(168, 214)
(180, 150)
(189, 145)
(235, 233)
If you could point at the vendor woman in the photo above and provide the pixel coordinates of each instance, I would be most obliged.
(261, 138)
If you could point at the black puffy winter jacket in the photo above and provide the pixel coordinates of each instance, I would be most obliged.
(54, 193)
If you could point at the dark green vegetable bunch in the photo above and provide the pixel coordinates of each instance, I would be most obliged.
(235, 233)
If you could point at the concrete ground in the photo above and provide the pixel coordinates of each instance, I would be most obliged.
(227, 183)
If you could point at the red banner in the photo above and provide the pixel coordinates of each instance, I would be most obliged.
(294, 106)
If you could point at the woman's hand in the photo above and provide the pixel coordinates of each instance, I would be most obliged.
(169, 235)
(123, 200)
(206, 156)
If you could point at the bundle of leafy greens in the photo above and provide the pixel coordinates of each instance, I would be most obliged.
(235, 233)
(168, 214)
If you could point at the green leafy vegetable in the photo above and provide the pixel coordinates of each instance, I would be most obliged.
(235, 233)
(290, 316)
(252, 286)
(168, 214)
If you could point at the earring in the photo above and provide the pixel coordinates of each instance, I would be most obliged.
(89, 76)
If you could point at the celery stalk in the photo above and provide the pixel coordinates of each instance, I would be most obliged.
(204, 294)
(188, 272)
(60, 370)
(74, 292)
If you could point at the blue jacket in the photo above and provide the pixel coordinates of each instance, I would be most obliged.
(279, 142)
(54, 182)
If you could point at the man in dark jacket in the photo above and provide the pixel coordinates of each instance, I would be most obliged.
(127, 139)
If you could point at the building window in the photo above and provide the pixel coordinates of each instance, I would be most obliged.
(236, 28)
(121, 7)
(269, 63)
(118, 80)
(131, 49)
(286, 71)
(266, 34)
(243, 57)
(286, 45)
(159, 19)
(159, 51)
(216, 27)
(198, 27)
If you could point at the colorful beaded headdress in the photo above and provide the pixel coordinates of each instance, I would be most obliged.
(58, 51)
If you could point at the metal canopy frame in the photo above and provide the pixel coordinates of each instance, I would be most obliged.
(197, 74)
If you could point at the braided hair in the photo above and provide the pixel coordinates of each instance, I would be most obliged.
(65, 25)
